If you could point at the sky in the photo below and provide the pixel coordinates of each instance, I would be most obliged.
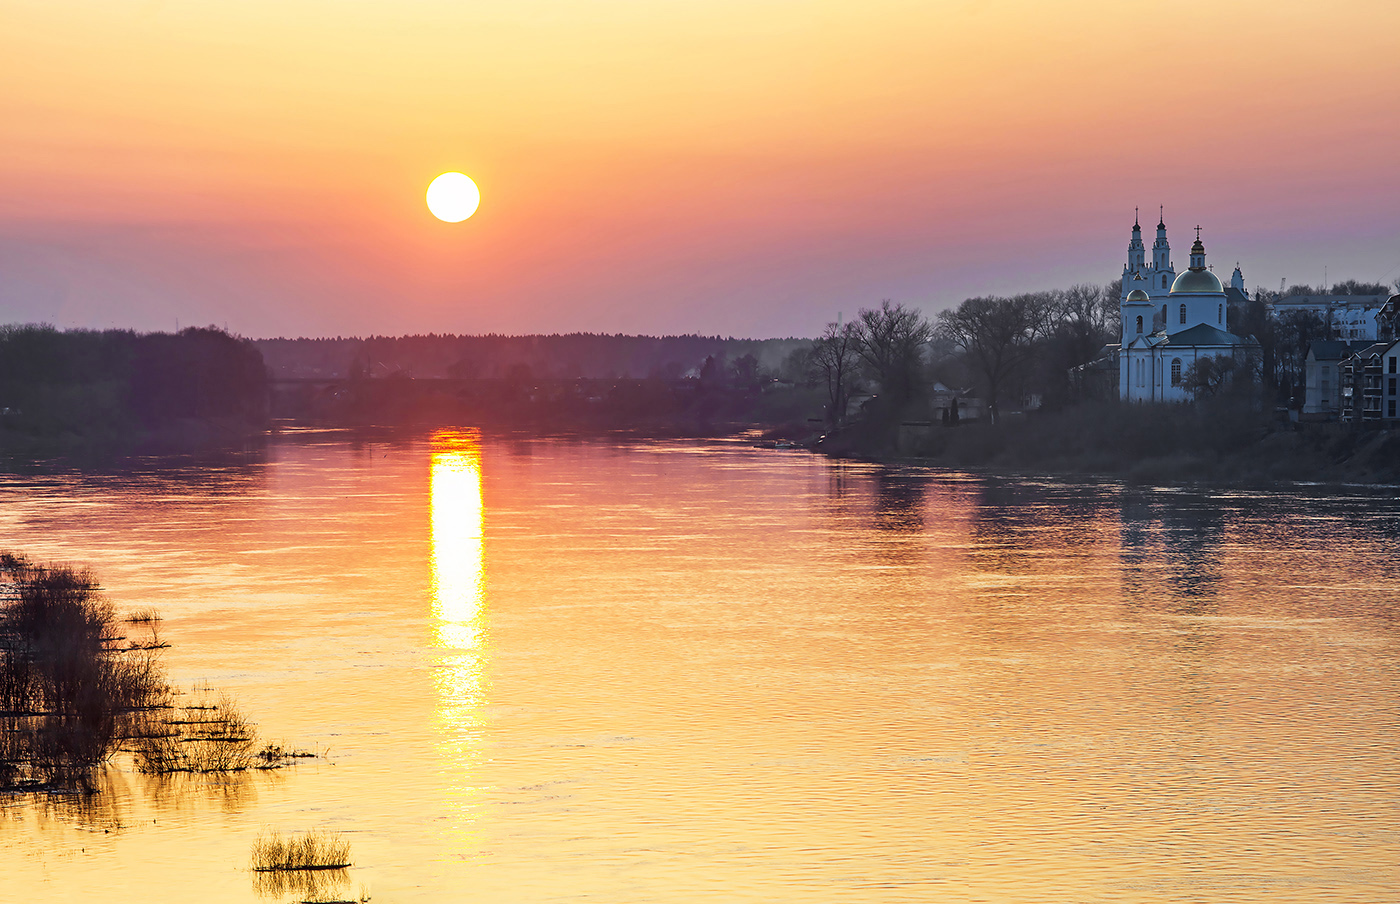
(752, 168)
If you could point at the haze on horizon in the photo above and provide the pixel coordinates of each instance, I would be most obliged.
(744, 169)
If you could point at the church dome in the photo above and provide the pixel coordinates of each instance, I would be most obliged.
(1197, 282)
(1137, 295)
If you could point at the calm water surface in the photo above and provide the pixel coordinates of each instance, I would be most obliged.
(547, 671)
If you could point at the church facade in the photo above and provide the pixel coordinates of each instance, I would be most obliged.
(1170, 320)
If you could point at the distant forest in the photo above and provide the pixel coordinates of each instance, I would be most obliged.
(493, 357)
(119, 388)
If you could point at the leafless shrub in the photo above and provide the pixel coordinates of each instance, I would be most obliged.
(68, 691)
(206, 734)
(72, 688)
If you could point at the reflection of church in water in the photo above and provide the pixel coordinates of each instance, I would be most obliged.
(1170, 319)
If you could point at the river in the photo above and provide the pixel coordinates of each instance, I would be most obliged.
(555, 670)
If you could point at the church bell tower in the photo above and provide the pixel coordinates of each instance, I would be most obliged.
(1161, 251)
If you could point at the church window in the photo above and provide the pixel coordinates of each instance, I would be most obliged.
(1176, 371)
(1183, 313)
(1139, 323)
(1220, 314)
(1164, 280)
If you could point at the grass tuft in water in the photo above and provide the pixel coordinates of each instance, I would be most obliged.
(317, 849)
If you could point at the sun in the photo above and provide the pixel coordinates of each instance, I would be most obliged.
(453, 197)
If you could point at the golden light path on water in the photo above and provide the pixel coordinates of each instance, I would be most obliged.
(458, 590)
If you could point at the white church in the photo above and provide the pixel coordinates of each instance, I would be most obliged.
(1169, 319)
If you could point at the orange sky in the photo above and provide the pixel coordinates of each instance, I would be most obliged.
(745, 168)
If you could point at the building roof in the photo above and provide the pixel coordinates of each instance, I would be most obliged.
(1147, 340)
(1370, 349)
(1334, 349)
(1197, 282)
(1330, 301)
(1204, 334)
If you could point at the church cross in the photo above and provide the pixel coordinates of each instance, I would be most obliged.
(1198, 233)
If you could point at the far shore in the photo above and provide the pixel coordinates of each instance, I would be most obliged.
(1222, 442)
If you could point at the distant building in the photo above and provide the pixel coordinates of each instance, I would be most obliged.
(1371, 384)
(1350, 318)
(1387, 319)
(1170, 320)
(1322, 377)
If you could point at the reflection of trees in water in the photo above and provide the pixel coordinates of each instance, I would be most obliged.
(1194, 535)
(194, 478)
(1018, 524)
(1172, 549)
(840, 482)
(106, 809)
(847, 489)
(899, 499)
(874, 513)
(1172, 543)
(229, 791)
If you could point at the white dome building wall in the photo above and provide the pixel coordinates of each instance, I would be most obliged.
(1185, 311)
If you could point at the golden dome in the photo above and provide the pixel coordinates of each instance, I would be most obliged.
(1198, 282)
(1137, 295)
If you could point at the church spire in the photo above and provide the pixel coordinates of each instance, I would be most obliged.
(1161, 250)
(1137, 253)
(1198, 253)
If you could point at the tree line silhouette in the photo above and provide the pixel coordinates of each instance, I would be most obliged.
(116, 385)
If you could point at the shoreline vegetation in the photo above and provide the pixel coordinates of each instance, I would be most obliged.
(1223, 442)
(90, 394)
(874, 388)
(80, 685)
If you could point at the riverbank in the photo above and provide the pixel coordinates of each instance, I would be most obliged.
(97, 445)
(1222, 441)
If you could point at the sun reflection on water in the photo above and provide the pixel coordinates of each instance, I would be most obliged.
(459, 612)
(459, 567)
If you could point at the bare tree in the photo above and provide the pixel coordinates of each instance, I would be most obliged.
(746, 373)
(999, 336)
(1080, 316)
(1208, 375)
(1110, 304)
(1356, 287)
(890, 342)
(833, 361)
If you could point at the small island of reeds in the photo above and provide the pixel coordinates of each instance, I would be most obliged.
(79, 684)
